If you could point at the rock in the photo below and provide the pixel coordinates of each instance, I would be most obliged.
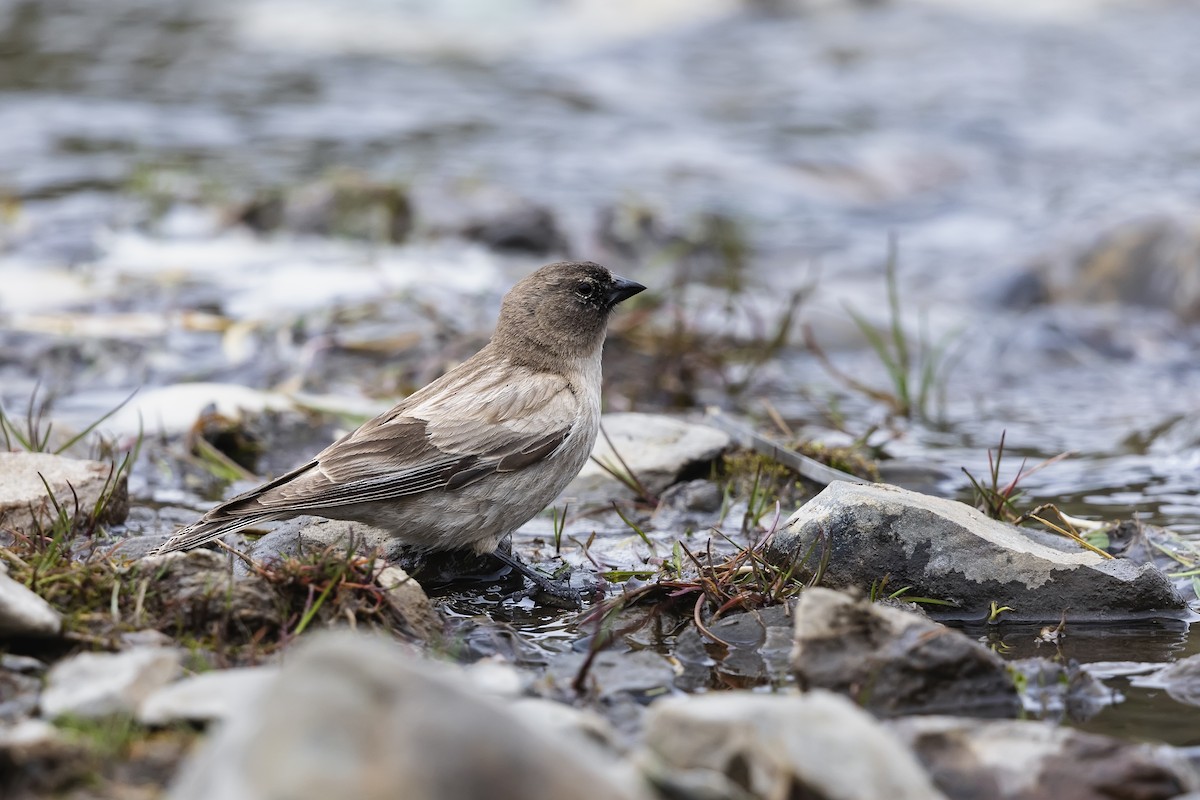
(18, 694)
(560, 719)
(659, 450)
(525, 229)
(207, 697)
(310, 534)
(100, 684)
(1150, 262)
(691, 504)
(354, 716)
(410, 603)
(741, 745)
(1181, 679)
(198, 590)
(497, 677)
(492, 216)
(1005, 759)
(894, 662)
(78, 486)
(37, 760)
(23, 613)
(638, 672)
(1052, 690)
(344, 204)
(948, 550)
(760, 644)
(171, 410)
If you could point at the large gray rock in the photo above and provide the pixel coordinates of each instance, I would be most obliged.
(78, 486)
(23, 613)
(657, 449)
(948, 550)
(354, 716)
(100, 684)
(1018, 760)
(893, 661)
(747, 745)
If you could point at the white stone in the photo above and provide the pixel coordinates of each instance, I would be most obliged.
(100, 684)
(76, 484)
(657, 449)
(23, 613)
(772, 745)
(207, 697)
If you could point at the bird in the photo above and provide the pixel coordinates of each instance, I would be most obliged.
(463, 462)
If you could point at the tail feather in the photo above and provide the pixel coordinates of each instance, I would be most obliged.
(209, 528)
(232, 515)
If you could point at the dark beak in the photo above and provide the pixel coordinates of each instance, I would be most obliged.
(623, 290)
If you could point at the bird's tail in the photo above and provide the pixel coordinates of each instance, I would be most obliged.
(233, 515)
(211, 526)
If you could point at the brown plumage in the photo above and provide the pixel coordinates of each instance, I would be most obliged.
(464, 461)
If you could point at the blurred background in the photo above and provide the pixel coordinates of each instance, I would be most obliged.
(326, 199)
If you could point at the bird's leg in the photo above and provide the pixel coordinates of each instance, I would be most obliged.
(549, 591)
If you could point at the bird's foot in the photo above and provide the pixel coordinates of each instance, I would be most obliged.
(547, 590)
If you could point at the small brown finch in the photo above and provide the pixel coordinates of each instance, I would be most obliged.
(466, 460)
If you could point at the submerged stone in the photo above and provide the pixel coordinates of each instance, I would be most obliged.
(950, 551)
(895, 662)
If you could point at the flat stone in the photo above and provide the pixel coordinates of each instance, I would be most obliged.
(207, 697)
(23, 613)
(77, 486)
(1019, 760)
(948, 550)
(659, 450)
(356, 716)
(745, 744)
(101, 684)
(895, 662)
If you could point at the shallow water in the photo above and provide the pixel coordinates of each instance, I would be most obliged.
(981, 138)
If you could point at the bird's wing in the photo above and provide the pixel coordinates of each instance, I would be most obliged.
(458, 430)
(445, 440)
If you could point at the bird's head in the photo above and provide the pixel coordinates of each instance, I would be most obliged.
(561, 309)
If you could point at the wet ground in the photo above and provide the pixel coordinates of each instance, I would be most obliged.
(725, 159)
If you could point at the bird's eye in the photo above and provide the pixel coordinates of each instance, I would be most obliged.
(585, 289)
